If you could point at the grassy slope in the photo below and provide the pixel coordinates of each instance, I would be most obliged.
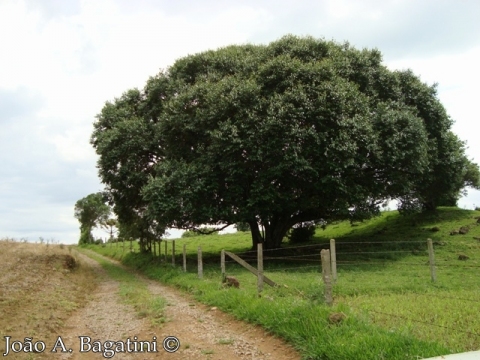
(394, 310)
(40, 286)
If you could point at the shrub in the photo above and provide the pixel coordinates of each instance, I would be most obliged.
(302, 232)
(190, 233)
(242, 226)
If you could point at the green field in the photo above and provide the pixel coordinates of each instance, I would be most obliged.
(393, 309)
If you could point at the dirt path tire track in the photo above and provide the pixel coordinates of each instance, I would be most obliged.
(103, 318)
(204, 332)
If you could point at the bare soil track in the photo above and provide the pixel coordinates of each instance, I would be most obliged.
(203, 332)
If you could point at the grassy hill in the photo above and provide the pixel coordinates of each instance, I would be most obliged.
(393, 309)
(40, 287)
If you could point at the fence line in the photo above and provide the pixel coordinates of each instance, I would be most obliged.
(292, 258)
(327, 264)
(278, 257)
(316, 246)
(283, 258)
(298, 267)
(355, 264)
(325, 244)
(377, 252)
(328, 278)
(373, 263)
(382, 242)
(305, 257)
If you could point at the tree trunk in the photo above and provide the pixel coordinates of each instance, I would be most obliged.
(256, 235)
(429, 206)
(275, 231)
(145, 244)
(274, 236)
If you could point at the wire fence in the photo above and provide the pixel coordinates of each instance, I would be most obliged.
(426, 270)
(298, 271)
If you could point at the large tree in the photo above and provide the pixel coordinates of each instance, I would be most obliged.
(299, 130)
(90, 211)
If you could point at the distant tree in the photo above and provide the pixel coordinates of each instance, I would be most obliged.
(200, 231)
(188, 233)
(111, 226)
(140, 228)
(90, 211)
(451, 172)
(298, 130)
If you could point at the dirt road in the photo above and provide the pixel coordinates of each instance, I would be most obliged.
(203, 332)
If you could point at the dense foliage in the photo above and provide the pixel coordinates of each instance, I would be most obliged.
(298, 130)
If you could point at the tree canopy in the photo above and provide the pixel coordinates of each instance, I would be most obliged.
(299, 130)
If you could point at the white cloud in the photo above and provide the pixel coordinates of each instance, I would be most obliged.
(458, 78)
(72, 147)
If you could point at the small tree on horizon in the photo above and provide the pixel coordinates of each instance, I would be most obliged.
(110, 226)
(90, 211)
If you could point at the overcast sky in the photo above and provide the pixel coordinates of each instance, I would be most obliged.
(61, 60)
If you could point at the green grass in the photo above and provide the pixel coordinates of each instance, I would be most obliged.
(226, 341)
(393, 309)
(134, 292)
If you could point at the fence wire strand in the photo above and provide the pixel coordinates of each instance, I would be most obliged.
(327, 244)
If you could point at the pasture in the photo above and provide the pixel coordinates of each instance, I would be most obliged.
(392, 308)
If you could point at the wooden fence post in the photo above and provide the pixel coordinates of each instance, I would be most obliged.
(326, 275)
(250, 268)
(333, 258)
(260, 268)
(131, 245)
(173, 252)
(184, 257)
(431, 258)
(222, 264)
(166, 250)
(200, 263)
(154, 248)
